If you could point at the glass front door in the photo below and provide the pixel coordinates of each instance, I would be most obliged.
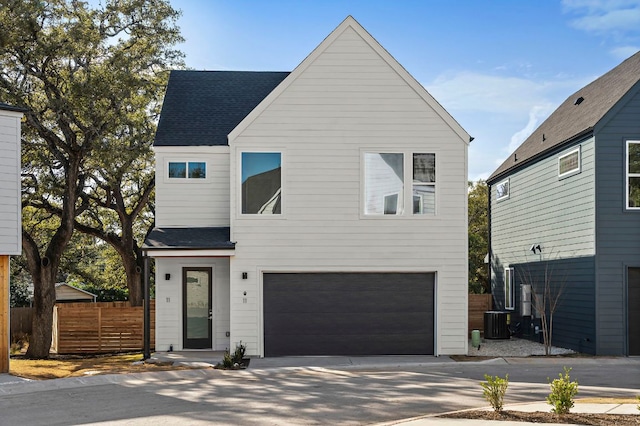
(196, 312)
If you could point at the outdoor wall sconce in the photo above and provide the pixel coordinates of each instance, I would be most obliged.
(245, 293)
(244, 275)
(167, 277)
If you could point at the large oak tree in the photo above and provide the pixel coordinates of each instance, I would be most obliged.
(90, 77)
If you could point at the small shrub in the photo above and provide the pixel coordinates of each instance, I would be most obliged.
(227, 359)
(238, 354)
(494, 390)
(563, 390)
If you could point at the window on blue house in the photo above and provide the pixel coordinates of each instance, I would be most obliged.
(633, 175)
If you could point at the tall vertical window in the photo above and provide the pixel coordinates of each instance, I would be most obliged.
(509, 289)
(424, 183)
(261, 183)
(187, 170)
(633, 175)
(383, 183)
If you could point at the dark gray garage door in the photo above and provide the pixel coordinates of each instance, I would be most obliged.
(634, 311)
(348, 314)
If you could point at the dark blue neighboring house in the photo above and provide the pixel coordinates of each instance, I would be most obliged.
(566, 206)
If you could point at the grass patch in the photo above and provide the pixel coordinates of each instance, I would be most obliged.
(80, 366)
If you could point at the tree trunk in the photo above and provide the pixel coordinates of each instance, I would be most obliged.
(44, 298)
(134, 279)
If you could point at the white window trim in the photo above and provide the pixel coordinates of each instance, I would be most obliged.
(504, 197)
(238, 179)
(509, 304)
(572, 171)
(407, 197)
(629, 175)
(186, 179)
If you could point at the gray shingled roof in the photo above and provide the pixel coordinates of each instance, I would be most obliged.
(573, 119)
(203, 107)
(189, 238)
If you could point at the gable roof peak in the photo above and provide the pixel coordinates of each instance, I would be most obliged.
(577, 116)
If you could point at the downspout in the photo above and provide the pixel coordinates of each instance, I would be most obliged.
(490, 254)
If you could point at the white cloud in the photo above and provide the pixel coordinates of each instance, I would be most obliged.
(537, 115)
(623, 52)
(604, 15)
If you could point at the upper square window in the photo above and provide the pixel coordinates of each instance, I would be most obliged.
(569, 164)
(633, 175)
(187, 170)
(502, 190)
(261, 183)
(384, 188)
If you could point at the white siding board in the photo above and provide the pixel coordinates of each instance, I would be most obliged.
(348, 101)
(169, 301)
(10, 224)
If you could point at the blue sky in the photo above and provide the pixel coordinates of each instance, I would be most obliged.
(500, 67)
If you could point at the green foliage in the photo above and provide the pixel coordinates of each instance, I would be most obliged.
(238, 354)
(494, 390)
(227, 360)
(19, 294)
(563, 391)
(478, 237)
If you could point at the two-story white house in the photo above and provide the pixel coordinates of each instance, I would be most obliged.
(317, 212)
(10, 214)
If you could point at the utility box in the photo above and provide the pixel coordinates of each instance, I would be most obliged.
(496, 325)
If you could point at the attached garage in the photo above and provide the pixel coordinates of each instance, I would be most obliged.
(348, 313)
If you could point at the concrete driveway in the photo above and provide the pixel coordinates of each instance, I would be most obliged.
(368, 391)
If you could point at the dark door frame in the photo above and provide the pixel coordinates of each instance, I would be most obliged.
(205, 343)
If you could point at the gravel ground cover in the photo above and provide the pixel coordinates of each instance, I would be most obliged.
(512, 348)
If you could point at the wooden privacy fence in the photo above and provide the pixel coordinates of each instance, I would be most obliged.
(20, 319)
(99, 327)
(478, 305)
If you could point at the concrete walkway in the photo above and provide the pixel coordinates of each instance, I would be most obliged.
(382, 364)
(211, 358)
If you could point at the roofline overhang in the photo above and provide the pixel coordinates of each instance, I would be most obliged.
(186, 252)
(558, 147)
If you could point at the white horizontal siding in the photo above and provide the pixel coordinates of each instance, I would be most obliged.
(348, 101)
(169, 301)
(193, 202)
(10, 208)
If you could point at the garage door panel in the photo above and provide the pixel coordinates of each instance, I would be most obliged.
(349, 323)
(405, 344)
(348, 313)
(413, 300)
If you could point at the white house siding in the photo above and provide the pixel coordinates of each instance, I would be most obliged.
(169, 300)
(348, 101)
(193, 202)
(10, 218)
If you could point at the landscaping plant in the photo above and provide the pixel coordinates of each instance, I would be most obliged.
(227, 359)
(563, 391)
(238, 355)
(494, 390)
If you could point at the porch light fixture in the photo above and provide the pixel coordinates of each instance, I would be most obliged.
(167, 277)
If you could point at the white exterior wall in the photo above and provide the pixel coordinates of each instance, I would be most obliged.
(10, 208)
(169, 300)
(193, 202)
(346, 101)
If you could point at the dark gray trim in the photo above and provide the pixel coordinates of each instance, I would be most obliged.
(205, 238)
(7, 107)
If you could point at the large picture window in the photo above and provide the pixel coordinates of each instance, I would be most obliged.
(633, 175)
(261, 183)
(384, 188)
(509, 289)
